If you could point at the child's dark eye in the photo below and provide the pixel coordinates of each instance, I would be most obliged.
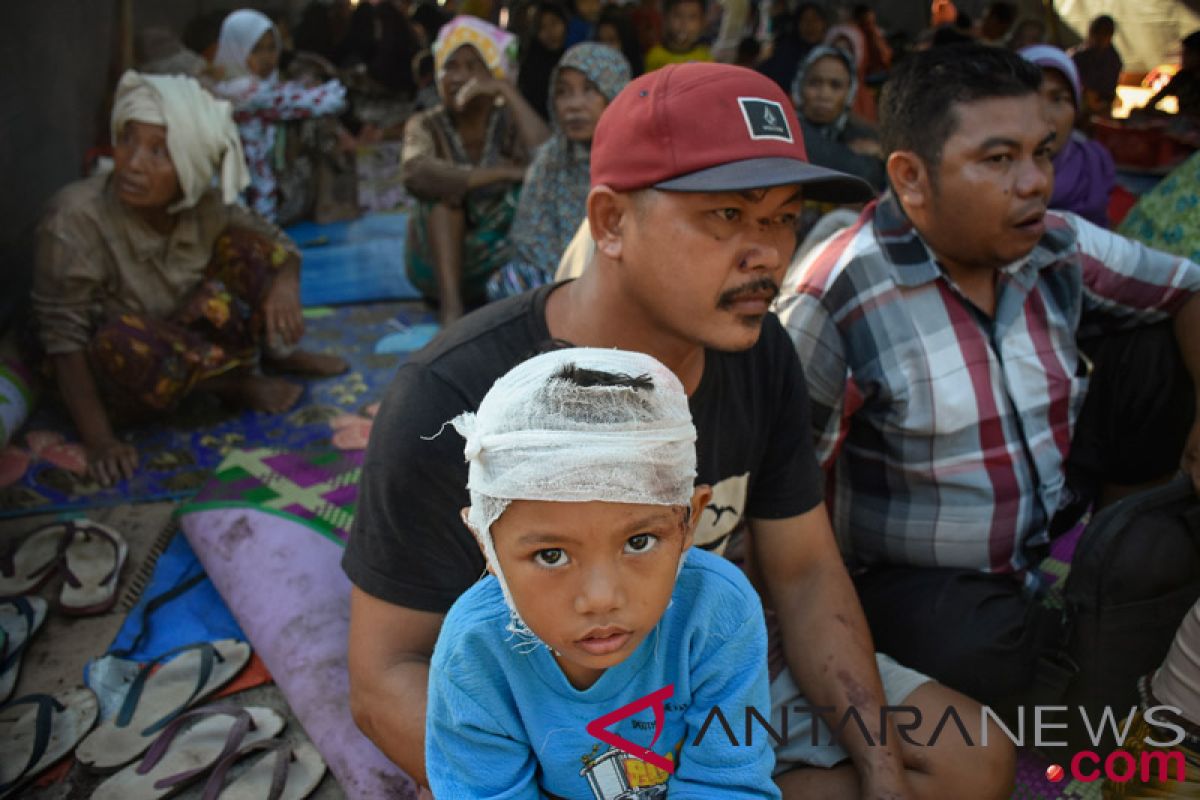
(551, 557)
(641, 543)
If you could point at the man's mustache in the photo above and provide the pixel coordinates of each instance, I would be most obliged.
(753, 289)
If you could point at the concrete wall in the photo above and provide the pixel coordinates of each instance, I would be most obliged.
(55, 69)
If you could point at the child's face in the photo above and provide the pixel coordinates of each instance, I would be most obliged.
(592, 579)
(684, 23)
(588, 9)
(265, 56)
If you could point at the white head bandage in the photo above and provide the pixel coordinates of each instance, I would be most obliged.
(552, 429)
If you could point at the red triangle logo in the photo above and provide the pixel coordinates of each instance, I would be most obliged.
(598, 728)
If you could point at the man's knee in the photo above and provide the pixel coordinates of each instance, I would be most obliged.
(965, 629)
(958, 763)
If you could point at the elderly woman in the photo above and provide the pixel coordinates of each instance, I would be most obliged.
(823, 93)
(554, 198)
(150, 283)
(247, 57)
(464, 161)
(1084, 172)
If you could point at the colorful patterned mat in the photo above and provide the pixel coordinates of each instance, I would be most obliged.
(176, 460)
(317, 488)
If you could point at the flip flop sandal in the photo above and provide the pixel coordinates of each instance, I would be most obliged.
(37, 730)
(20, 617)
(92, 557)
(287, 774)
(156, 697)
(33, 561)
(179, 756)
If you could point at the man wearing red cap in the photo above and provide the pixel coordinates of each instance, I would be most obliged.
(694, 225)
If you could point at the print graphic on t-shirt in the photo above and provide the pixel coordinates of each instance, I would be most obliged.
(723, 513)
(616, 775)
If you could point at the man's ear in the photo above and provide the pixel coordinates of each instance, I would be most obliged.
(606, 211)
(909, 177)
(475, 533)
(701, 496)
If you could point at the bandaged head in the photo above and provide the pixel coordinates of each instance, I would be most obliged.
(574, 426)
(202, 138)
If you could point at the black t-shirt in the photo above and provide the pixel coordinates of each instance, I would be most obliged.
(409, 546)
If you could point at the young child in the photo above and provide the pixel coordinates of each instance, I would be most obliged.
(683, 24)
(582, 463)
(248, 55)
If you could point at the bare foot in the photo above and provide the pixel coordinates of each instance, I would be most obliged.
(257, 392)
(273, 395)
(305, 362)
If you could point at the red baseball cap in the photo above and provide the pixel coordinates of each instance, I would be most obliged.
(709, 128)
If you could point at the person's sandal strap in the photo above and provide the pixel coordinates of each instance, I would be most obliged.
(237, 732)
(89, 529)
(134, 695)
(43, 725)
(243, 722)
(8, 559)
(10, 657)
(212, 789)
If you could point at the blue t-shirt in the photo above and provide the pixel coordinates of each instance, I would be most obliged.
(506, 723)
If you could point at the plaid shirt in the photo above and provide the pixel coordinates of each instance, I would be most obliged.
(944, 432)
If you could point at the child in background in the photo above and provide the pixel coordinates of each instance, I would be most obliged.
(683, 23)
(248, 56)
(582, 464)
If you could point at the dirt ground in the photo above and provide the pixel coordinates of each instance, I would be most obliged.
(56, 657)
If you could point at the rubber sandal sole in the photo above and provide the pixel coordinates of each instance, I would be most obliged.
(36, 551)
(198, 747)
(166, 690)
(95, 556)
(18, 630)
(18, 725)
(304, 774)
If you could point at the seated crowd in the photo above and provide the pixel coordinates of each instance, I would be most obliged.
(818, 479)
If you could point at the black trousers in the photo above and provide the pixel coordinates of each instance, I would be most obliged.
(976, 632)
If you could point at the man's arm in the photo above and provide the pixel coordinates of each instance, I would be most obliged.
(389, 651)
(1187, 333)
(827, 643)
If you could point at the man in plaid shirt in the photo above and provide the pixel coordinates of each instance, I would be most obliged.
(944, 339)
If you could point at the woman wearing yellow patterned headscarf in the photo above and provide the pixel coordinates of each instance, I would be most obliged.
(464, 161)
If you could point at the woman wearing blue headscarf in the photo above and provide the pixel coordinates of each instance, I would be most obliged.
(554, 199)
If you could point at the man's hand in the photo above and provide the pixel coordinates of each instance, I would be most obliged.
(111, 460)
(1191, 456)
(281, 310)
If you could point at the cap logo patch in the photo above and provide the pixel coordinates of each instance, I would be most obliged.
(765, 119)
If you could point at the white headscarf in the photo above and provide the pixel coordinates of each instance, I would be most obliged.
(201, 136)
(240, 31)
